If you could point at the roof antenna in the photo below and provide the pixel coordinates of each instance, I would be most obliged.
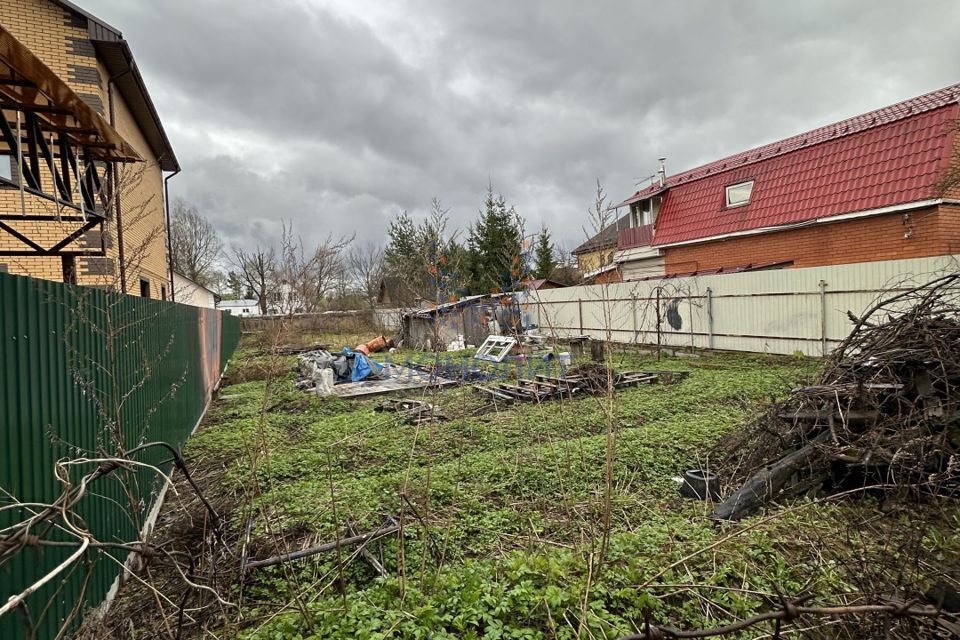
(662, 173)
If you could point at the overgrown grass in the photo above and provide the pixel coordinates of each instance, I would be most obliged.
(502, 509)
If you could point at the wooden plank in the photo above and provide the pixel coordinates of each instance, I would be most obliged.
(512, 390)
(526, 392)
(493, 392)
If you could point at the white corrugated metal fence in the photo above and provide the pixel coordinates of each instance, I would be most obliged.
(780, 311)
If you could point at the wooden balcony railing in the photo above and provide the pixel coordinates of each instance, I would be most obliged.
(635, 237)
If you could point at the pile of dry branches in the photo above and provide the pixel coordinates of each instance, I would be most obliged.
(593, 377)
(884, 412)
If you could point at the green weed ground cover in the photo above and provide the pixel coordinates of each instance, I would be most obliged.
(503, 510)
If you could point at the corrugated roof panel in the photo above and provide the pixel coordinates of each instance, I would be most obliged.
(873, 165)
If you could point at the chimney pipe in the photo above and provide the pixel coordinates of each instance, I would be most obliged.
(662, 173)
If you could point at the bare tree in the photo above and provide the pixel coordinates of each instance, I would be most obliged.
(565, 271)
(256, 268)
(294, 276)
(599, 214)
(194, 244)
(328, 265)
(365, 265)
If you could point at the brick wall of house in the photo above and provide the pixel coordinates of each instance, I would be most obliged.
(59, 38)
(949, 221)
(142, 211)
(932, 231)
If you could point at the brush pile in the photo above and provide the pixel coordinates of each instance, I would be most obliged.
(885, 411)
(592, 377)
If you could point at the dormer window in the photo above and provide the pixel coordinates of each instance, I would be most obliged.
(644, 212)
(739, 194)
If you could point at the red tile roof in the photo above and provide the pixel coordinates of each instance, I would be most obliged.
(887, 157)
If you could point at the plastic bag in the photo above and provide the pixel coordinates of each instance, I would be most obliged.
(324, 382)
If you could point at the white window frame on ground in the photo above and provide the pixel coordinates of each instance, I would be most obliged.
(740, 185)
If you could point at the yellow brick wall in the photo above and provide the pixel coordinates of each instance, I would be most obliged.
(51, 33)
(141, 202)
(45, 28)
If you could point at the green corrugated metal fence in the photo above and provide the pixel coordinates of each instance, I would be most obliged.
(84, 369)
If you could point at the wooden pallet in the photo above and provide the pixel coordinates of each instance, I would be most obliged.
(544, 387)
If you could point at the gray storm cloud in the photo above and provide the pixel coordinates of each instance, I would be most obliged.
(339, 115)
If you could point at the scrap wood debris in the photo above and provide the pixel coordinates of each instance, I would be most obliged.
(586, 379)
(885, 411)
(413, 411)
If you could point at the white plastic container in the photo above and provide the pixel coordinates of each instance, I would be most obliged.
(325, 382)
(564, 358)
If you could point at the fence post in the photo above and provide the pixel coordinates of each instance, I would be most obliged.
(580, 311)
(709, 318)
(633, 307)
(823, 318)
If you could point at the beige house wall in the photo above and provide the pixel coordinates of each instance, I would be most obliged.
(593, 260)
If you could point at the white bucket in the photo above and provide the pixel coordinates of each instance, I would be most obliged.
(564, 359)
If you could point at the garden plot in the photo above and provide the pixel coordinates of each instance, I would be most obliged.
(557, 519)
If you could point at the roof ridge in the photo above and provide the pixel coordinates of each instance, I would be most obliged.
(855, 124)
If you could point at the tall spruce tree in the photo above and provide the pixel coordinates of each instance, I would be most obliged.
(543, 255)
(424, 260)
(495, 247)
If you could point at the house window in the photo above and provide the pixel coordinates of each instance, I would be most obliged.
(163, 292)
(69, 265)
(739, 194)
(144, 288)
(645, 212)
(6, 166)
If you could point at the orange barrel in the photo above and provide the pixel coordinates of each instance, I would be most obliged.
(377, 344)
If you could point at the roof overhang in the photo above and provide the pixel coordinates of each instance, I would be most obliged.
(38, 88)
(117, 57)
(640, 195)
(907, 206)
(581, 250)
(603, 269)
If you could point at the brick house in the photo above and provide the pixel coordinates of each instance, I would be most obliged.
(879, 186)
(82, 154)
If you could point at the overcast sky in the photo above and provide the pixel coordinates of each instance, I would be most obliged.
(340, 114)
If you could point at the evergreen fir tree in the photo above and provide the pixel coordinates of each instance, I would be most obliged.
(494, 244)
(543, 259)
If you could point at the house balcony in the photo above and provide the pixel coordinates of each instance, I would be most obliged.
(635, 237)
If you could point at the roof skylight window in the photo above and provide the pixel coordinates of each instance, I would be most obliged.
(739, 194)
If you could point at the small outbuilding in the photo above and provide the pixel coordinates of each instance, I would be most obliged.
(544, 283)
(186, 291)
(473, 317)
(244, 308)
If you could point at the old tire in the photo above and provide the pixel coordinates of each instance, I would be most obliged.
(700, 485)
